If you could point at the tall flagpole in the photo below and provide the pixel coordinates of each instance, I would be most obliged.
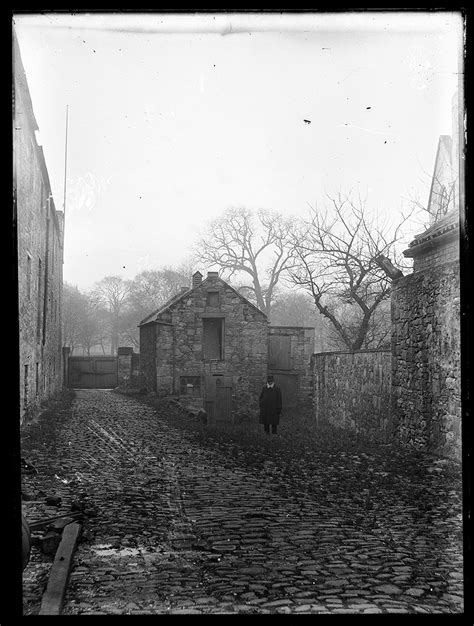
(65, 160)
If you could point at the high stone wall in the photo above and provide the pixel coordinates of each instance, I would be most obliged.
(426, 345)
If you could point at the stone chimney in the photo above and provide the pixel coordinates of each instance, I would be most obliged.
(213, 274)
(197, 279)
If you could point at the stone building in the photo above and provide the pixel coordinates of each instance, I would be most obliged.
(40, 232)
(426, 317)
(426, 342)
(209, 346)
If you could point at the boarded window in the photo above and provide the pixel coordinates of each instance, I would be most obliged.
(279, 347)
(212, 340)
(190, 386)
(212, 298)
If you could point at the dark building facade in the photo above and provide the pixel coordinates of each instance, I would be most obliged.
(40, 237)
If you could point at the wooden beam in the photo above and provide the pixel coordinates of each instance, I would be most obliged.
(53, 598)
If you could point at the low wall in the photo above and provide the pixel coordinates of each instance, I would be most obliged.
(352, 391)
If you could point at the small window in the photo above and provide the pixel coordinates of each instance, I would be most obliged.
(212, 298)
(213, 338)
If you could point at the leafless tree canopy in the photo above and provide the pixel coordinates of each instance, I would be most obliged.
(336, 251)
(253, 244)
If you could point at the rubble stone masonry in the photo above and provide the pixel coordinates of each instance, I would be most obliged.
(426, 346)
(179, 351)
(352, 391)
(40, 233)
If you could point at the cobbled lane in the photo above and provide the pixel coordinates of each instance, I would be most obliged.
(182, 526)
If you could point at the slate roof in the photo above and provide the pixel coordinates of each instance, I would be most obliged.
(185, 294)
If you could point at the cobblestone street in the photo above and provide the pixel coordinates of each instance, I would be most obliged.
(179, 521)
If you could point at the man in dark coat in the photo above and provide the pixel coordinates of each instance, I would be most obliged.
(270, 406)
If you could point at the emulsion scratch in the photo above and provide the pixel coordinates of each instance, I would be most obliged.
(368, 130)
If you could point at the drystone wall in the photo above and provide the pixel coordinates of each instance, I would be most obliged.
(352, 391)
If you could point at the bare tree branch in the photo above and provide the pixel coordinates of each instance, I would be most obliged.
(336, 250)
(258, 244)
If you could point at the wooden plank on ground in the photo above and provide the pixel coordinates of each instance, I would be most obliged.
(52, 601)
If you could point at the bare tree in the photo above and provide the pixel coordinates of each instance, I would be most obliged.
(338, 251)
(149, 290)
(73, 304)
(113, 292)
(152, 288)
(93, 323)
(378, 331)
(257, 245)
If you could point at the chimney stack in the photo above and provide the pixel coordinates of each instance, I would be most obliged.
(213, 274)
(197, 279)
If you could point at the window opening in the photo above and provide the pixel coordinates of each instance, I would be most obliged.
(213, 338)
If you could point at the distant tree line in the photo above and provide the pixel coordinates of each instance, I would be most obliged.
(107, 316)
(322, 272)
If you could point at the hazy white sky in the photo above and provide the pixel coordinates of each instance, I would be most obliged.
(174, 118)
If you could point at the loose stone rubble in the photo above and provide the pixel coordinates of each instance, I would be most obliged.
(183, 520)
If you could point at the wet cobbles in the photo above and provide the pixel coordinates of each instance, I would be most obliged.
(178, 522)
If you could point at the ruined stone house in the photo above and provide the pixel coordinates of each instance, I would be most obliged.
(207, 345)
(213, 349)
(40, 236)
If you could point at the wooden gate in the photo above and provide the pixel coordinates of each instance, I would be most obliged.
(218, 399)
(279, 364)
(92, 372)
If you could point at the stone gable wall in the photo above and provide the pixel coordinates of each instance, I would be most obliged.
(179, 349)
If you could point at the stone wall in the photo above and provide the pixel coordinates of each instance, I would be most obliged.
(426, 379)
(40, 253)
(148, 355)
(128, 367)
(352, 391)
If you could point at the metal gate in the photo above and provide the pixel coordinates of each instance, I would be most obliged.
(92, 372)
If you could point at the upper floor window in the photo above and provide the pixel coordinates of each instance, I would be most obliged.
(213, 338)
(212, 298)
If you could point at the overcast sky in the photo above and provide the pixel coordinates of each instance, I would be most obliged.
(175, 118)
